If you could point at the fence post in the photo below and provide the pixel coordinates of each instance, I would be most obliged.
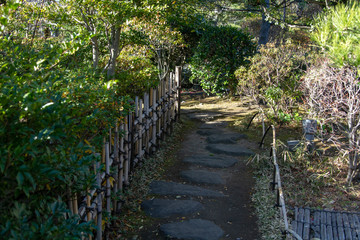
(178, 70)
(99, 204)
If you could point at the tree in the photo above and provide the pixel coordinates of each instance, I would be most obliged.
(273, 77)
(332, 85)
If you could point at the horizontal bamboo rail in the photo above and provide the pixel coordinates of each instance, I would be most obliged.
(129, 143)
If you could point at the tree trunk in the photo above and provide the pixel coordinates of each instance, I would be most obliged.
(265, 27)
(95, 51)
(114, 46)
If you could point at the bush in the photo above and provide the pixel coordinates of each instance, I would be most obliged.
(50, 124)
(273, 77)
(220, 51)
(135, 73)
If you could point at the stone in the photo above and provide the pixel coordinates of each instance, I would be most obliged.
(163, 208)
(209, 132)
(172, 188)
(229, 138)
(204, 115)
(193, 229)
(211, 161)
(201, 176)
(232, 150)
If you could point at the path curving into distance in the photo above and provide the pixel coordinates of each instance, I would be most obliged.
(206, 194)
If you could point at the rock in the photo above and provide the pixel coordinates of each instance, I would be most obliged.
(204, 115)
(172, 188)
(193, 229)
(232, 150)
(211, 161)
(209, 132)
(200, 176)
(163, 208)
(229, 138)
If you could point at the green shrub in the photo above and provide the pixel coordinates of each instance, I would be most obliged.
(49, 117)
(273, 77)
(220, 51)
(136, 73)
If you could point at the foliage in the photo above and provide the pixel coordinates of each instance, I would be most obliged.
(220, 51)
(135, 73)
(273, 77)
(53, 112)
(337, 32)
(333, 98)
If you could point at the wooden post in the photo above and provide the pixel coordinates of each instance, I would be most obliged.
(121, 164)
(147, 122)
(117, 166)
(154, 121)
(108, 186)
(75, 204)
(140, 141)
(99, 204)
(178, 86)
(127, 139)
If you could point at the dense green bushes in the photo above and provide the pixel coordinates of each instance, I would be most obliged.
(49, 116)
(220, 51)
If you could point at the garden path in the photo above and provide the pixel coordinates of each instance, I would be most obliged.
(206, 193)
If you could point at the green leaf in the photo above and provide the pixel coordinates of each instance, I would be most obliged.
(20, 179)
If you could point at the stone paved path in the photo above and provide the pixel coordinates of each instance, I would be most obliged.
(206, 195)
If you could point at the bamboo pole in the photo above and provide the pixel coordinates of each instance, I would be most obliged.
(147, 122)
(75, 204)
(178, 86)
(128, 142)
(154, 120)
(117, 166)
(140, 141)
(108, 186)
(99, 204)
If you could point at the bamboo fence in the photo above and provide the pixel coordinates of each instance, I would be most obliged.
(126, 145)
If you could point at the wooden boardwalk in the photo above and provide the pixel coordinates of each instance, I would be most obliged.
(326, 225)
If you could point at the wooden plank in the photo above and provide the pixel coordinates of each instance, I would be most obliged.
(294, 223)
(300, 225)
(340, 226)
(306, 230)
(323, 225)
(357, 224)
(334, 226)
(329, 230)
(347, 230)
(316, 224)
(352, 226)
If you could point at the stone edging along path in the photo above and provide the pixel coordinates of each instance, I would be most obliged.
(206, 195)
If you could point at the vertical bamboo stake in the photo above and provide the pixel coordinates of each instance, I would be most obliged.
(108, 186)
(165, 108)
(154, 120)
(75, 204)
(103, 151)
(117, 166)
(127, 150)
(99, 205)
(88, 214)
(121, 165)
(147, 120)
(140, 130)
(110, 139)
(70, 202)
(178, 86)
